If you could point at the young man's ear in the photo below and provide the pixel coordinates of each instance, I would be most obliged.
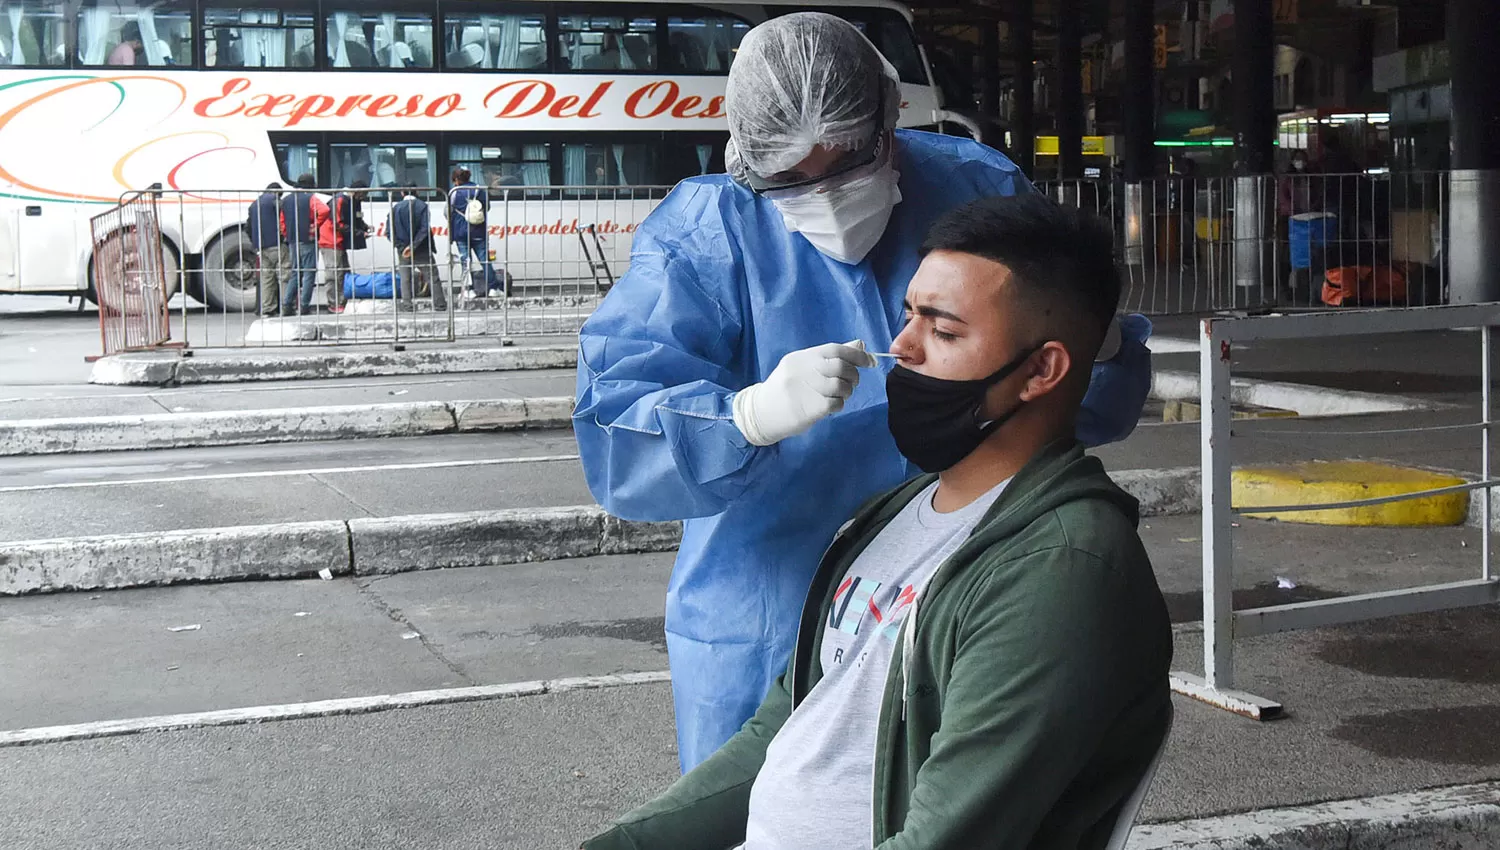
(1050, 366)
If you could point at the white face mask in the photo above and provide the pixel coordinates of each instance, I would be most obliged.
(843, 221)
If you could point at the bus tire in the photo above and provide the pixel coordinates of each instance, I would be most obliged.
(229, 275)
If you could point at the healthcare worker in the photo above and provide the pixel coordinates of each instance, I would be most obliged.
(720, 381)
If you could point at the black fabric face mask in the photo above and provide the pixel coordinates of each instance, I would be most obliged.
(936, 422)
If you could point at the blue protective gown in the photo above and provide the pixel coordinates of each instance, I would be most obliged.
(717, 292)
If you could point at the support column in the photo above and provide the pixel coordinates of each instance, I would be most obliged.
(1139, 100)
(989, 55)
(1254, 100)
(1254, 147)
(1138, 103)
(1070, 89)
(1474, 187)
(1191, 34)
(1023, 48)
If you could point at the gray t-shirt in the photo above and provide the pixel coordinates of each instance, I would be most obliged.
(815, 790)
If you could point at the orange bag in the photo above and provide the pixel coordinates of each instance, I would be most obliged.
(1363, 286)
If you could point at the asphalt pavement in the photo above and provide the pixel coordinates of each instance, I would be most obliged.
(1372, 708)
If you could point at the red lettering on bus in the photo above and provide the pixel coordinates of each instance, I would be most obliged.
(412, 108)
(681, 110)
(385, 101)
(444, 106)
(633, 103)
(589, 109)
(715, 108)
(523, 89)
(351, 104)
(557, 110)
(268, 104)
(232, 87)
(315, 106)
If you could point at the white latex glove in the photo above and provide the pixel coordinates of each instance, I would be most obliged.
(805, 387)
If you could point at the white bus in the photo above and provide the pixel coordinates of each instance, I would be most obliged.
(102, 97)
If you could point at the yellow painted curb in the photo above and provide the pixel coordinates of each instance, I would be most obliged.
(1319, 482)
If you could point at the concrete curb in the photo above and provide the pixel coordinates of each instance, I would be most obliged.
(408, 327)
(172, 557)
(495, 538)
(168, 368)
(296, 424)
(1303, 399)
(388, 545)
(1463, 817)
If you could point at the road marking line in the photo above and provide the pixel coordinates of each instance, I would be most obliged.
(321, 708)
(279, 473)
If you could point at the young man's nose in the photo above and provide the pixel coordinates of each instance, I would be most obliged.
(906, 349)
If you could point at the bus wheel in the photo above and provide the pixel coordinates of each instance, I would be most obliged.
(119, 247)
(230, 279)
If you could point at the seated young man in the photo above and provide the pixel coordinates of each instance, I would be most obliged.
(982, 660)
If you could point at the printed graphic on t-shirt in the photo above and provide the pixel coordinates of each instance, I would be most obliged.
(861, 604)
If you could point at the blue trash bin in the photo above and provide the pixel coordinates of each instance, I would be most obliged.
(1306, 230)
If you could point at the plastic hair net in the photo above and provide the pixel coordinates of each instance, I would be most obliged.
(802, 80)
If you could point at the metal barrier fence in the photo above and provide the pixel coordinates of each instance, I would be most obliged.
(1309, 241)
(549, 253)
(130, 274)
(1221, 623)
(309, 266)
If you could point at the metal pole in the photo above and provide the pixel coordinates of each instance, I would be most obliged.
(989, 54)
(1139, 97)
(1069, 89)
(1023, 47)
(1218, 546)
(1485, 530)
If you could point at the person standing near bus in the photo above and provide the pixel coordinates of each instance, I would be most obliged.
(411, 233)
(264, 224)
(300, 229)
(469, 232)
(719, 381)
(333, 220)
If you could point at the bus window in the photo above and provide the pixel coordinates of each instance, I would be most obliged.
(235, 37)
(505, 166)
(384, 165)
(511, 42)
(887, 29)
(372, 39)
(704, 44)
(295, 160)
(606, 43)
(154, 34)
(607, 165)
(34, 32)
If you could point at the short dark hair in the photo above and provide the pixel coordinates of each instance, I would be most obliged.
(130, 32)
(306, 181)
(273, 186)
(1061, 259)
(462, 175)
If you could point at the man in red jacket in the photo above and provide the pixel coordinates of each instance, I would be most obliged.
(333, 217)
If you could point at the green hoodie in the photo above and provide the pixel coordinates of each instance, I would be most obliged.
(1026, 703)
